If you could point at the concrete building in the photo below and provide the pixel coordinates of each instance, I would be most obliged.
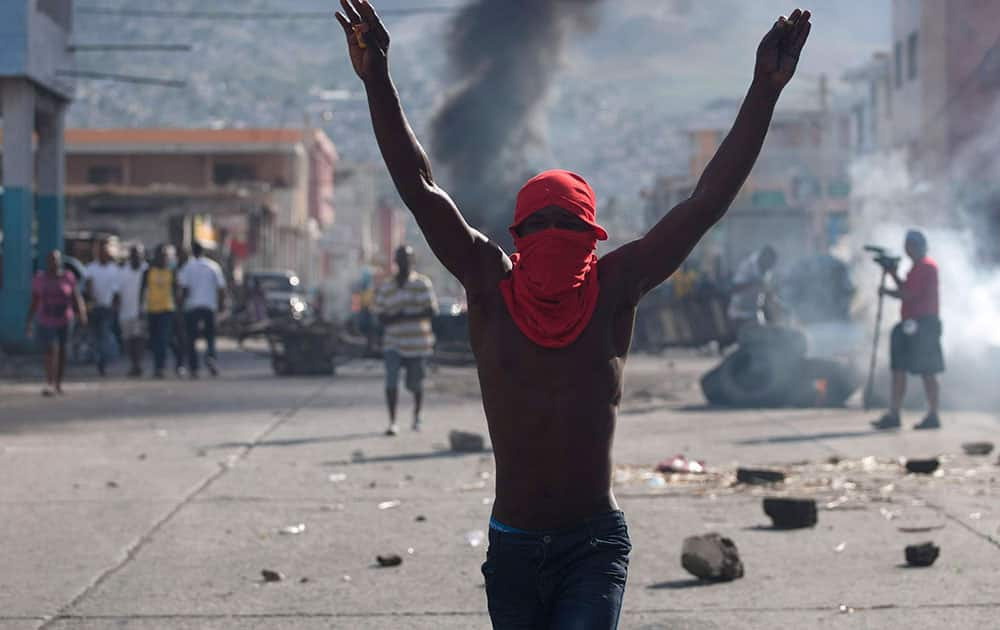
(796, 197)
(935, 97)
(35, 63)
(261, 197)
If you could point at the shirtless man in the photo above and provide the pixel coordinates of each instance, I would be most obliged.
(550, 328)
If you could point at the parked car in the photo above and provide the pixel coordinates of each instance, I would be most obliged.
(281, 290)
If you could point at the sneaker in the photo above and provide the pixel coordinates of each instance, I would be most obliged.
(135, 372)
(416, 424)
(193, 375)
(393, 430)
(210, 364)
(158, 374)
(48, 393)
(180, 371)
(930, 421)
(888, 421)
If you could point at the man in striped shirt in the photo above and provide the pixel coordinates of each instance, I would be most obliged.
(405, 305)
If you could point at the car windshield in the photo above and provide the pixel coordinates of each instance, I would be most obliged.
(282, 284)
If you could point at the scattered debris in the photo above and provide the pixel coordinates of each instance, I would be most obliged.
(788, 513)
(711, 557)
(390, 560)
(462, 442)
(357, 456)
(922, 466)
(656, 481)
(303, 580)
(347, 578)
(409, 551)
(475, 537)
(420, 518)
(919, 529)
(142, 457)
(293, 530)
(840, 548)
(681, 464)
(271, 576)
(845, 609)
(201, 453)
(976, 516)
(388, 505)
(922, 555)
(112, 484)
(337, 477)
(978, 448)
(757, 476)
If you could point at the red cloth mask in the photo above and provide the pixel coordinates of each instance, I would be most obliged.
(553, 288)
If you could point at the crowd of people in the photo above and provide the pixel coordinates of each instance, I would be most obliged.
(165, 303)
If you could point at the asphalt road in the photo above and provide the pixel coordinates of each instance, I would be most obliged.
(157, 504)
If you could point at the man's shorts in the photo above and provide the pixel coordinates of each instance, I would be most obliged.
(46, 336)
(133, 328)
(915, 346)
(414, 371)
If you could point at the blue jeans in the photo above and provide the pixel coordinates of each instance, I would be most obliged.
(160, 331)
(192, 319)
(105, 348)
(559, 580)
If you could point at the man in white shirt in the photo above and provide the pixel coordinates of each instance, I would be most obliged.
(750, 286)
(103, 288)
(130, 315)
(202, 295)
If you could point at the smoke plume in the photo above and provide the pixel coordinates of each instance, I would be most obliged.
(962, 237)
(504, 55)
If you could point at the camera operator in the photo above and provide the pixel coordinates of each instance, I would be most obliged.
(915, 344)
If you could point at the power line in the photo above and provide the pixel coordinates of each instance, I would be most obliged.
(244, 15)
(123, 78)
(129, 47)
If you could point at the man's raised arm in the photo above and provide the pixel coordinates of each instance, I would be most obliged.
(449, 236)
(660, 252)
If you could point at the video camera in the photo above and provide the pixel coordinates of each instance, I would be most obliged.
(883, 258)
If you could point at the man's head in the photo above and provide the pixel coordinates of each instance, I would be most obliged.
(767, 258)
(160, 255)
(196, 249)
(915, 244)
(53, 262)
(103, 249)
(404, 260)
(556, 200)
(135, 255)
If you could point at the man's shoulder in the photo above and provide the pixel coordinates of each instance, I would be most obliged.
(421, 281)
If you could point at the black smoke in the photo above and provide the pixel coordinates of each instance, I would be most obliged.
(504, 55)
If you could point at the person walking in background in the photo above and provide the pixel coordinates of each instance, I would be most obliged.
(405, 305)
(178, 340)
(915, 342)
(130, 314)
(55, 300)
(203, 295)
(158, 293)
(751, 284)
(103, 288)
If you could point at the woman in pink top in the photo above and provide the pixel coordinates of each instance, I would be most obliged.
(54, 301)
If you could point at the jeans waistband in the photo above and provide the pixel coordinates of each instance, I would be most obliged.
(592, 524)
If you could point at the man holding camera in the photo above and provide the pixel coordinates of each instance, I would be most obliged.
(915, 344)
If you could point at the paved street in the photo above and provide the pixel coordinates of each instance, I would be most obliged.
(155, 505)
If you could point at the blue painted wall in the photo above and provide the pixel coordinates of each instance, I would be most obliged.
(17, 269)
(13, 37)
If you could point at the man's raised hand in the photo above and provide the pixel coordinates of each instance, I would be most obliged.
(367, 39)
(778, 54)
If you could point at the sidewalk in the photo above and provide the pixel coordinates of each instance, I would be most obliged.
(149, 505)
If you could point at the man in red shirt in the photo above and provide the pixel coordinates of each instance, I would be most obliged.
(915, 344)
(55, 301)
